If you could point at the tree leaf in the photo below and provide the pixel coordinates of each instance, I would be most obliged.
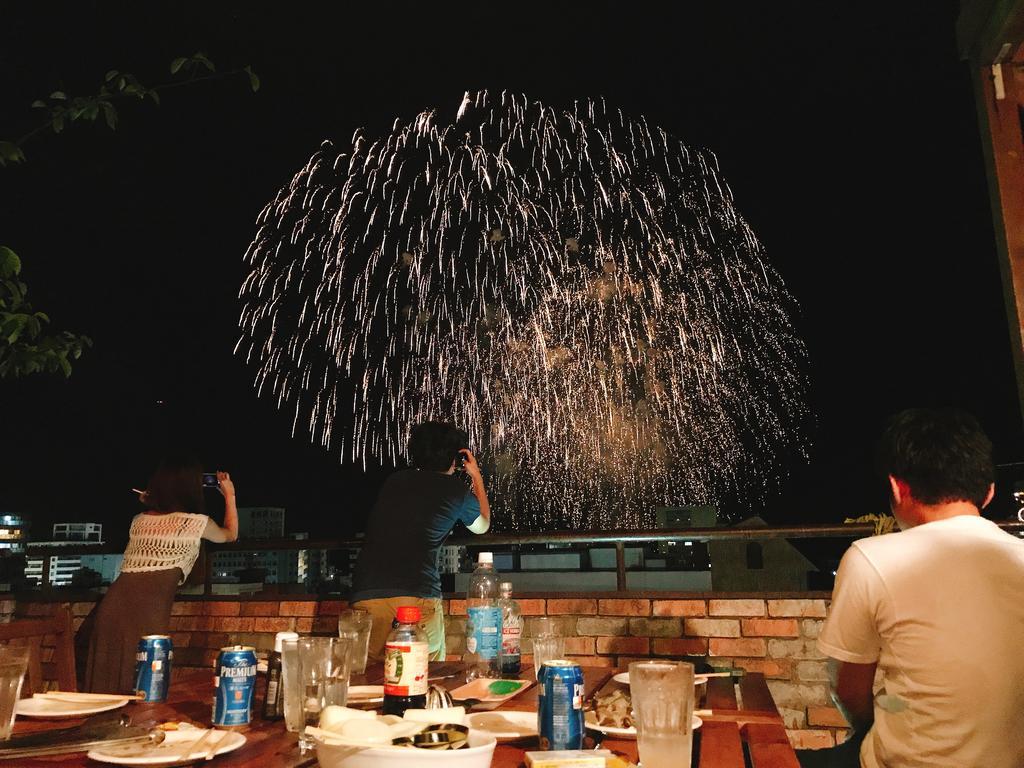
(200, 57)
(37, 104)
(110, 114)
(177, 64)
(254, 80)
(59, 95)
(155, 97)
(10, 153)
(110, 75)
(58, 124)
(10, 264)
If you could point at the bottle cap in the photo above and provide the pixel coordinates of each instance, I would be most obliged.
(408, 614)
(506, 586)
(485, 558)
(280, 637)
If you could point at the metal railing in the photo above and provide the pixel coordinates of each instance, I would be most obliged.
(619, 539)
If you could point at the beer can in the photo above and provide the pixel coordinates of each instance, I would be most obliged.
(153, 667)
(234, 682)
(560, 706)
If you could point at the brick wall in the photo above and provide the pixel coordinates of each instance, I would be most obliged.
(771, 634)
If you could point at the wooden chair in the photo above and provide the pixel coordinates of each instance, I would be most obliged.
(31, 632)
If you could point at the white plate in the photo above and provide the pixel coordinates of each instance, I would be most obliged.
(623, 677)
(624, 733)
(504, 726)
(166, 753)
(365, 694)
(55, 710)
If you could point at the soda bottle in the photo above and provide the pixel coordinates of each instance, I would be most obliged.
(406, 657)
(483, 620)
(511, 632)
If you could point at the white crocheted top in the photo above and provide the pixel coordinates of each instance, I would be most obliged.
(161, 542)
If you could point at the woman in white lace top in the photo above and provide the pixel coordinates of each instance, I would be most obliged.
(163, 545)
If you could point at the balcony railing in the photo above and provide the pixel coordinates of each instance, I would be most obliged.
(619, 539)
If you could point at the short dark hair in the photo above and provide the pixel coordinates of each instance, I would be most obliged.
(176, 486)
(433, 445)
(942, 454)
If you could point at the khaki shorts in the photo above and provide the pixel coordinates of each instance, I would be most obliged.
(383, 610)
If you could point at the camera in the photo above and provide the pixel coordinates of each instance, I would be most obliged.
(210, 480)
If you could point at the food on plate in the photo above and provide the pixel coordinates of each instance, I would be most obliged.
(425, 729)
(614, 710)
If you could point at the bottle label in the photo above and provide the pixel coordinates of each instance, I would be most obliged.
(486, 624)
(405, 669)
(511, 638)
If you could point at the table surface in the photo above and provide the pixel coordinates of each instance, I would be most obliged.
(743, 731)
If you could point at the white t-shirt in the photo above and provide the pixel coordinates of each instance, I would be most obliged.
(940, 607)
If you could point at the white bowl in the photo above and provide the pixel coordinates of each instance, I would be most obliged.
(477, 755)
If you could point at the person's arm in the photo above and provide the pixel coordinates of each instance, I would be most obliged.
(853, 692)
(229, 531)
(483, 521)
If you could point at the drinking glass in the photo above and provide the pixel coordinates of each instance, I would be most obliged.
(356, 623)
(545, 626)
(547, 648)
(13, 664)
(662, 693)
(291, 681)
(324, 668)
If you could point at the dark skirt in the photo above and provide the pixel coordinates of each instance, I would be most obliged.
(136, 604)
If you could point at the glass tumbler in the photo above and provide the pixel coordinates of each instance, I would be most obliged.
(13, 665)
(662, 693)
(356, 623)
(291, 681)
(324, 669)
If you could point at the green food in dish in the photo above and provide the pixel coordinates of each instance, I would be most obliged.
(501, 687)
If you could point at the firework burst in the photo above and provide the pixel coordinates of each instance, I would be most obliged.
(574, 288)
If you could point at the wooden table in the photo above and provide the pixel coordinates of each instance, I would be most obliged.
(751, 736)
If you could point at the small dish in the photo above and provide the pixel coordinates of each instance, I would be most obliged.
(365, 694)
(504, 726)
(54, 709)
(167, 751)
(624, 733)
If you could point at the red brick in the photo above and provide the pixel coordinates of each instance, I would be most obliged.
(829, 716)
(773, 668)
(260, 608)
(329, 625)
(532, 607)
(679, 608)
(625, 608)
(579, 646)
(235, 624)
(181, 639)
(267, 624)
(810, 739)
(727, 646)
(679, 646)
(457, 608)
(331, 607)
(559, 606)
(222, 608)
(798, 608)
(82, 609)
(187, 608)
(712, 627)
(595, 661)
(298, 608)
(304, 626)
(770, 627)
(736, 608)
(632, 645)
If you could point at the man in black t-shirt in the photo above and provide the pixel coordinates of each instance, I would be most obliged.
(415, 511)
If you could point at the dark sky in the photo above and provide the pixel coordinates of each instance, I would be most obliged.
(847, 132)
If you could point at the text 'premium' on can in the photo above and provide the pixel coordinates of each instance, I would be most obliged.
(234, 682)
(560, 706)
(153, 667)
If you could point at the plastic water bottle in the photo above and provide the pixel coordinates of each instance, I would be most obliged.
(483, 623)
(511, 632)
(406, 657)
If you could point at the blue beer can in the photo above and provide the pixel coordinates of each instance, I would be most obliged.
(234, 683)
(153, 667)
(560, 706)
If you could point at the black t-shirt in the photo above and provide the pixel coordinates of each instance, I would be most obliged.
(414, 513)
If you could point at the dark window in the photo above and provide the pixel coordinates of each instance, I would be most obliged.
(755, 557)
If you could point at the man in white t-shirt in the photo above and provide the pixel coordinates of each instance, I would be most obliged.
(937, 610)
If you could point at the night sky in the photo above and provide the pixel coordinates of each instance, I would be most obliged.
(847, 133)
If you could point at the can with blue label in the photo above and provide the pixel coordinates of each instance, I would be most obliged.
(153, 667)
(234, 682)
(560, 706)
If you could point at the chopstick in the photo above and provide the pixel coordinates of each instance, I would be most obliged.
(186, 752)
(78, 696)
(734, 673)
(211, 750)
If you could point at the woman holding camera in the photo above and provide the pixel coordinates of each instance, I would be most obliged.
(163, 546)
